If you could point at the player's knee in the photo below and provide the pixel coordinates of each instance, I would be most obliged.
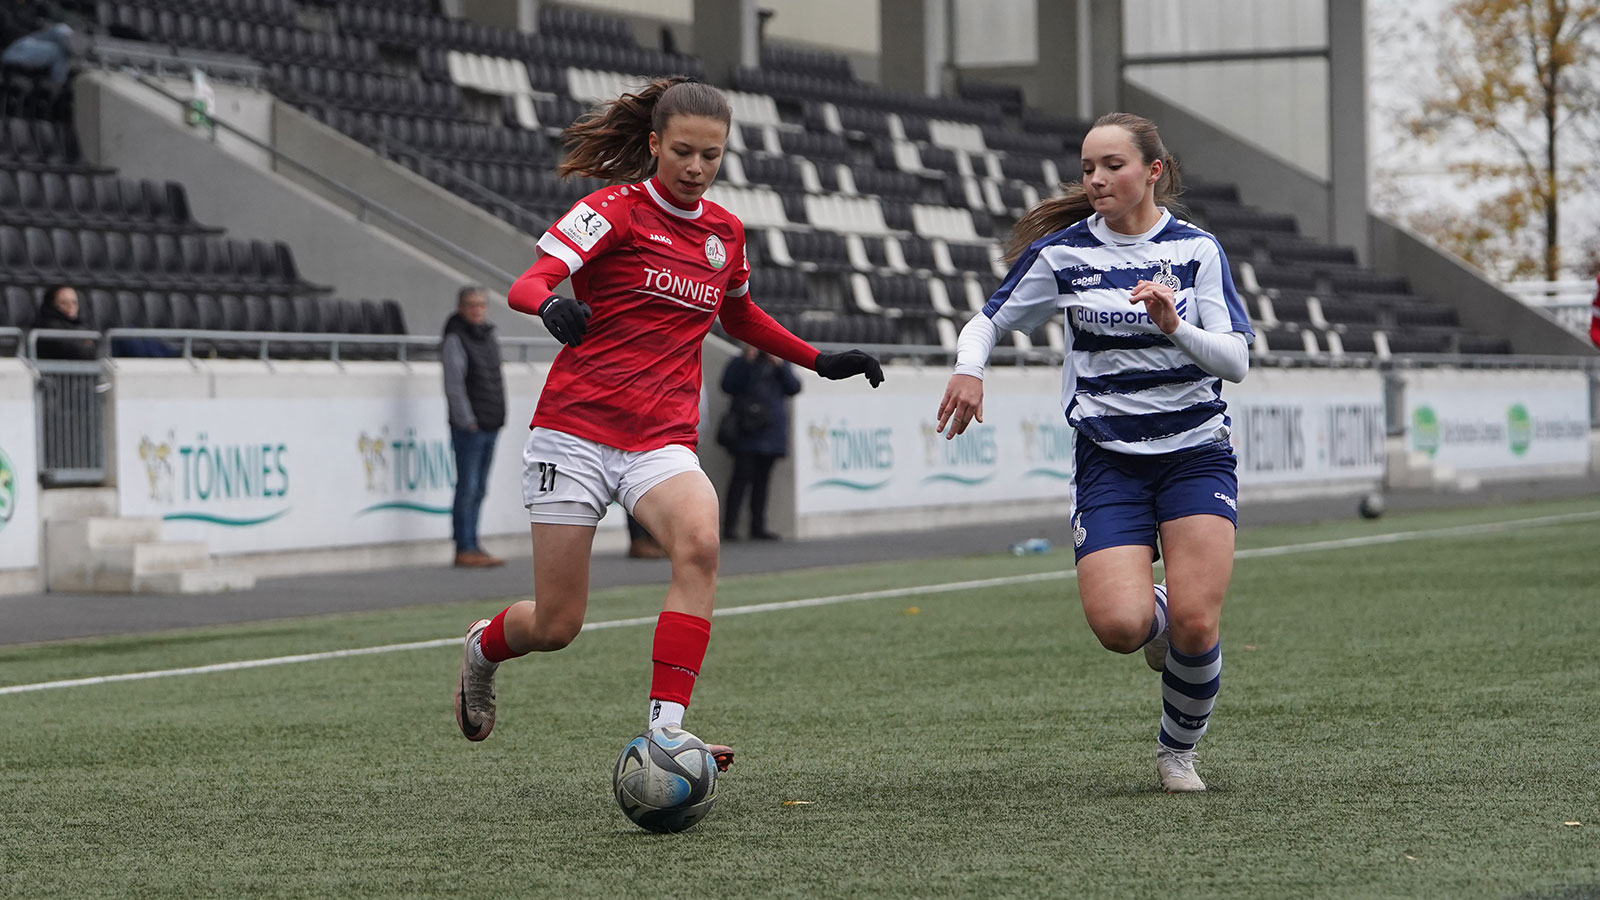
(1190, 626)
(1120, 634)
(697, 550)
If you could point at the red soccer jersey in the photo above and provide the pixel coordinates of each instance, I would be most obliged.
(655, 275)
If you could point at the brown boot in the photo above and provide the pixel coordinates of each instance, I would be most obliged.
(489, 562)
(469, 559)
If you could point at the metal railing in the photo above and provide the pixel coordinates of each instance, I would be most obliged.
(193, 344)
(1570, 302)
(69, 411)
(363, 204)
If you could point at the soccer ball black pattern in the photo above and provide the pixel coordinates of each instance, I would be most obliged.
(665, 780)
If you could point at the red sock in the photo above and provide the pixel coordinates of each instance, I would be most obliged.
(680, 648)
(493, 641)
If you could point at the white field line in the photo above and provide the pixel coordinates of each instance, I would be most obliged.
(920, 590)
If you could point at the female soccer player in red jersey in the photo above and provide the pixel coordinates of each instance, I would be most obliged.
(652, 264)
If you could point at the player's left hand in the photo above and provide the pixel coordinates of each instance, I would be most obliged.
(851, 362)
(1159, 302)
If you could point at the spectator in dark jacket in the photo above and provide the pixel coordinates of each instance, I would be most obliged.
(60, 311)
(756, 433)
(475, 390)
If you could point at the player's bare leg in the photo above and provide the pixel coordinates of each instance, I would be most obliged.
(548, 622)
(682, 513)
(1118, 595)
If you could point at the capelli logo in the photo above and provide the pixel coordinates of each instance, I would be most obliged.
(661, 239)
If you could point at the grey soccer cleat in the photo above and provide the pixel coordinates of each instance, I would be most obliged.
(475, 691)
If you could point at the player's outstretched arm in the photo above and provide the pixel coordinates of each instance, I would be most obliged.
(744, 321)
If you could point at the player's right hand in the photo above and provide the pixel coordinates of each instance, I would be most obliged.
(962, 403)
(566, 319)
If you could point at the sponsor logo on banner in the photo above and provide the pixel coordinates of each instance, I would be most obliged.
(1047, 449)
(202, 476)
(583, 226)
(1519, 431)
(852, 458)
(408, 469)
(8, 489)
(1519, 428)
(1301, 437)
(967, 460)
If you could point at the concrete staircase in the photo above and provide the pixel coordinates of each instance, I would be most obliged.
(88, 548)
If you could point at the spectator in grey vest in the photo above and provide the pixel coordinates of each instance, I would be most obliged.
(476, 392)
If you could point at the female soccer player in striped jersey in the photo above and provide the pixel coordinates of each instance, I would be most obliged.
(652, 265)
(1155, 327)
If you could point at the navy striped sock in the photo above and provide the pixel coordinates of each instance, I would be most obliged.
(1159, 624)
(1188, 691)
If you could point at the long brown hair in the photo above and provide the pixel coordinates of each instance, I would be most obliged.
(612, 142)
(1055, 213)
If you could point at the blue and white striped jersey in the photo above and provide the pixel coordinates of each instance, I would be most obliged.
(1125, 386)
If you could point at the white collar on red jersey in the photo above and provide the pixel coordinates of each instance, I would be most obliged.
(649, 184)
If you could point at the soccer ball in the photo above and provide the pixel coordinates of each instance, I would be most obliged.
(1371, 505)
(665, 780)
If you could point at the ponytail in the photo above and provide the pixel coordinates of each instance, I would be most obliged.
(612, 142)
(1072, 204)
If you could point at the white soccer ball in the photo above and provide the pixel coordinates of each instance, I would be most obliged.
(1371, 505)
(665, 780)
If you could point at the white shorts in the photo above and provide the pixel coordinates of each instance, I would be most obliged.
(569, 480)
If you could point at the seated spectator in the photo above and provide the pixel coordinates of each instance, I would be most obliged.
(60, 311)
(43, 58)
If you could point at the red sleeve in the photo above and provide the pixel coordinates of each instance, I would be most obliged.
(1594, 319)
(536, 284)
(744, 321)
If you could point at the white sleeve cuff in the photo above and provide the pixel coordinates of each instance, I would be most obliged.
(973, 347)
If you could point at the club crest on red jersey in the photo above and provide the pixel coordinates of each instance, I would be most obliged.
(716, 254)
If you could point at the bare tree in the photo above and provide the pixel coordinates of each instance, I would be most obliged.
(1526, 75)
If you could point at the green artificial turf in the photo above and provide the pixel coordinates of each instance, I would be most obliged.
(1414, 719)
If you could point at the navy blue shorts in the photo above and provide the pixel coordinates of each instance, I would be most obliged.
(1123, 499)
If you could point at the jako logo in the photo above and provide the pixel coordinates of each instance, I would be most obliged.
(661, 239)
(1226, 499)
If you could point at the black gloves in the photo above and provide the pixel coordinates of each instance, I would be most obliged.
(851, 362)
(565, 318)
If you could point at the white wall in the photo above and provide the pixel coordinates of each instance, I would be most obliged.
(1279, 105)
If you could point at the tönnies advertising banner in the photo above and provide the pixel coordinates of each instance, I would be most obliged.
(19, 474)
(1499, 423)
(306, 455)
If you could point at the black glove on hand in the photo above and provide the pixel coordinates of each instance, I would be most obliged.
(566, 319)
(851, 362)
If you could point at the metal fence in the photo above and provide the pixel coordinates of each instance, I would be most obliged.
(1570, 302)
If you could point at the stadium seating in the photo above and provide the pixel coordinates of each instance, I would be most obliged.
(134, 252)
(861, 202)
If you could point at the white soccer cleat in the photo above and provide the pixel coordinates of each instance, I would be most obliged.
(475, 691)
(1176, 768)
